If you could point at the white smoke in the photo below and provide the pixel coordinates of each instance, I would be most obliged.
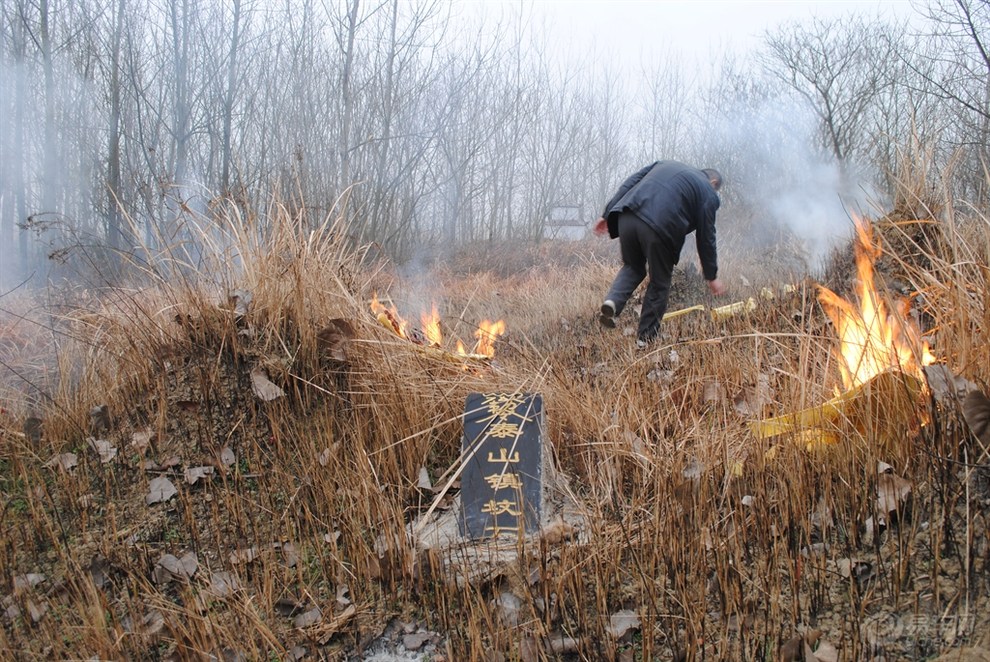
(787, 182)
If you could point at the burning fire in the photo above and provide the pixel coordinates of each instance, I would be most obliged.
(486, 334)
(431, 326)
(431, 333)
(881, 357)
(872, 339)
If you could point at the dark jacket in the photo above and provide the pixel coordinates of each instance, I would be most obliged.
(674, 200)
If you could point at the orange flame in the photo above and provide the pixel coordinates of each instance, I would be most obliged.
(431, 326)
(872, 339)
(388, 317)
(431, 330)
(486, 334)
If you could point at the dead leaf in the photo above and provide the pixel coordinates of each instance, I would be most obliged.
(324, 458)
(508, 607)
(714, 392)
(945, 385)
(694, 469)
(99, 419)
(232, 655)
(223, 584)
(263, 387)
(25, 582)
(64, 461)
(36, 610)
(415, 641)
(338, 622)
(792, 650)
(290, 555)
(171, 567)
(244, 556)
(227, 457)
(103, 448)
(976, 412)
(308, 618)
(152, 623)
(240, 301)
(160, 489)
(753, 398)
(193, 474)
(857, 569)
(288, 606)
(171, 461)
(635, 443)
(97, 570)
(660, 376)
(141, 439)
(558, 532)
(342, 592)
(190, 563)
(892, 490)
(332, 537)
(529, 650)
(334, 339)
(10, 609)
(562, 644)
(826, 652)
(622, 622)
(424, 479)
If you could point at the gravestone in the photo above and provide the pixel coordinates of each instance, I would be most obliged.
(501, 484)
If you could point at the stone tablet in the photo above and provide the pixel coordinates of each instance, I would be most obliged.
(501, 484)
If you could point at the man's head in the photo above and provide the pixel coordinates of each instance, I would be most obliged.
(714, 176)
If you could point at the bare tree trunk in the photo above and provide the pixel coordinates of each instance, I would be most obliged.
(346, 97)
(181, 103)
(17, 184)
(50, 177)
(115, 234)
(228, 103)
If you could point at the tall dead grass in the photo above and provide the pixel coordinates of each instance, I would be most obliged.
(722, 547)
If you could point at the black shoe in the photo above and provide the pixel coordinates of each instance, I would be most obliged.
(607, 316)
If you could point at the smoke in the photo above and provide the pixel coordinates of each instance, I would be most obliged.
(47, 170)
(786, 183)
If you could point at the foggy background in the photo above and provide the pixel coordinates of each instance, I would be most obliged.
(127, 125)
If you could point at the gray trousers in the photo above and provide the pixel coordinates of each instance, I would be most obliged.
(643, 248)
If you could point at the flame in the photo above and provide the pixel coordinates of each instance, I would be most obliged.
(431, 333)
(389, 317)
(486, 334)
(872, 339)
(431, 326)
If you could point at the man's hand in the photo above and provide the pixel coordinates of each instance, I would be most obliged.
(717, 287)
(601, 227)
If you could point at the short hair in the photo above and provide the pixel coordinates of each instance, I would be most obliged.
(714, 176)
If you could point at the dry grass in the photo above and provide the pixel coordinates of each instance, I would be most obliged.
(723, 550)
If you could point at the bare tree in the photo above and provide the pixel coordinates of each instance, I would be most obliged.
(837, 66)
(115, 235)
(14, 86)
(953, 67)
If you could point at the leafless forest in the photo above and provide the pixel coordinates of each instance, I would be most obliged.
(256, 255)
(430, 124)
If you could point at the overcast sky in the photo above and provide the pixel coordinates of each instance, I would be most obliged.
(633, 31)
